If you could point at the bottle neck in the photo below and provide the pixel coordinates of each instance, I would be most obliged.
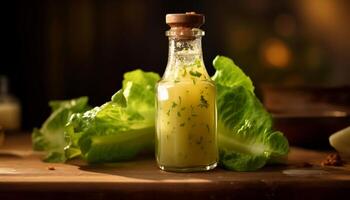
(185, 55)
(182, 52)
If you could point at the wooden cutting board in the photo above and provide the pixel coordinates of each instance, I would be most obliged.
(24, 175)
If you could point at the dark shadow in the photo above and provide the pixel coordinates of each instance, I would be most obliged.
(146, 168)
(7, 155)
(143, 167)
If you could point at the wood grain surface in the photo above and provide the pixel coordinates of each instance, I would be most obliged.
(24, 176)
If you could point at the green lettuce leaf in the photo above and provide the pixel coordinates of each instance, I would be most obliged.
(119, 129)
(245, 137)
(228, 74)
(50, 137)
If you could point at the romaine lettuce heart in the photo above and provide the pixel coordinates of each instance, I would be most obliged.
(245, 137)
(119, 129)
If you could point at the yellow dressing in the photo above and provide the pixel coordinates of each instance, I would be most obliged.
(186, 119)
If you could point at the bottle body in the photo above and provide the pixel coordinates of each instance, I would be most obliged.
(10, 108)
(186, 138)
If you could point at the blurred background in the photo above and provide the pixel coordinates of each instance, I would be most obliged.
(295, 51)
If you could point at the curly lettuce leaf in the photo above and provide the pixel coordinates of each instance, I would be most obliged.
(50, 138)
(119, 129)
(245, 137)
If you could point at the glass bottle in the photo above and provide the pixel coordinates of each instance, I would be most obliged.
(10, 108)
(186, 138)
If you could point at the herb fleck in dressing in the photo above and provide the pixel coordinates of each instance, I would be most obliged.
(186, 107)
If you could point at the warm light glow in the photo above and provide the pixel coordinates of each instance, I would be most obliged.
(276, 53)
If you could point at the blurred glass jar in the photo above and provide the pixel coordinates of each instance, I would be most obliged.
(10, 109)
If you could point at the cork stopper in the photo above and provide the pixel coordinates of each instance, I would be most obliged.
(188, 19)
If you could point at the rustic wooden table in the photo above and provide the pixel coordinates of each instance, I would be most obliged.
(24, 176)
